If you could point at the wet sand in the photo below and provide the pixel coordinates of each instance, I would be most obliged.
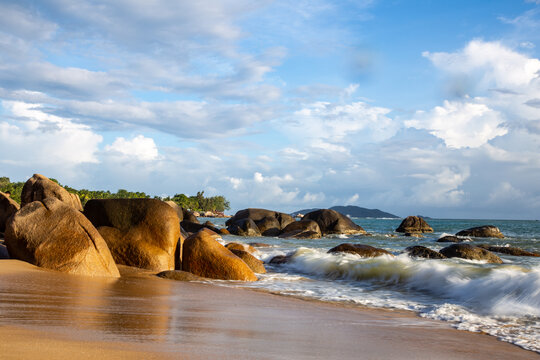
(49, 315)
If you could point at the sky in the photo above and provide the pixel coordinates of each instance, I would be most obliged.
(409, 106)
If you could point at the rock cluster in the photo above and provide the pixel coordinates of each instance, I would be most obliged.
(257, 222)
(52, 231)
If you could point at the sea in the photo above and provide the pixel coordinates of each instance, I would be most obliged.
(502, 300)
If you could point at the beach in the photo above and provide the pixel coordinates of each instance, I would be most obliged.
(52, 315)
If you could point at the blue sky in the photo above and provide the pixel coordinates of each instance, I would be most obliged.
(413, 107)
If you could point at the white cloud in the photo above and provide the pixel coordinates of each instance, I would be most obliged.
(353, 199)
(140, 148)
(505, 192)
(442, 188)
(461, 124)
(35, 138)
(494, 64)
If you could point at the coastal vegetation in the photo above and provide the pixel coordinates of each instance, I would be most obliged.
(195, 203)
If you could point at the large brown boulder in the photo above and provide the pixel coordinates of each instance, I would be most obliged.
(482, 231)
(8, 207)
(270, 223)
(237, 246)
(183, 214)
(450, 238)
(53, 235)
(301, 230)
(414, 224)
(467, 251)
(204, 256)
(509, 250)
(254, 264)
(140, 232)
(40, 187)
(359, 249)
(424, 252)
(332, 222)
(244, 227)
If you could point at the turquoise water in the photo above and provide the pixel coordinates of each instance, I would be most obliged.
(500, 299)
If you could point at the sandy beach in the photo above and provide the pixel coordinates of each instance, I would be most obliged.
(51, 315)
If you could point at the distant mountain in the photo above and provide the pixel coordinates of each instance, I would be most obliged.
(354, 211)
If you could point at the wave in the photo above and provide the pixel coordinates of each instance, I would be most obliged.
(507, 290)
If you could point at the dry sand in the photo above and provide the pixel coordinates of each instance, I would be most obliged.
(49, 315)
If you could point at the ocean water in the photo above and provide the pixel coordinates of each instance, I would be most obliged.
(502, 300)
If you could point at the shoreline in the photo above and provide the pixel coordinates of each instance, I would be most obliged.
(142, 316)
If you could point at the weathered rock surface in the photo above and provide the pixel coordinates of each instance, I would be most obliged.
(482, 231)
(509, 250)
(332, 222)
(280, 259)
(450, 238)
(254, 264)
(179, 275)
(238, 246)
(244, 227)
(53, 235)
(268, 222)
(258, 244)
(139, 232)
(413, 225)
(8, 207)
(304, 229)
(269, 226)
(40, 187)
(424, 252)
(183, 214)
(467, 251)
(204, 256)
(192, 227)
(359, 249)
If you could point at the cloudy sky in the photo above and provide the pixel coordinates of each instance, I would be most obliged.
(413, 107)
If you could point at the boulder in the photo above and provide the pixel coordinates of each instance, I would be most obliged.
(280, 259)
(53, 235)
(301, 230)
(269, 226)
(4, 254)
(183, 214)
(467, 251)
(332, 222)
(192, 227)
(204, 256)
(359, 249)
(244, 227)
(189, 216)
(450, 238)
(180, 275)
(238, 246)
(413, 225)
(509, 250)
(258, 244)
(8, 207)
(254, 264)
(482, 231)
(39, 187)
(139, 232)
(424, 252)
(259, 215)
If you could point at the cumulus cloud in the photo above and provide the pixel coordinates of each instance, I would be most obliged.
(461, 124)
(442, 188)
(36, 138)
(139, 148)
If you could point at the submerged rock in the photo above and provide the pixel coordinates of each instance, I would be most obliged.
(450, 238)
(143, 233)
(509, 250)
(53, 235)
(332, 222)
(359, 249)
(424, 252)
(413, 225)
(467, 251)
(482, 231)
(280, 259)
(40, 187)
(258, 244)
(204, 256)
(180, 275)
